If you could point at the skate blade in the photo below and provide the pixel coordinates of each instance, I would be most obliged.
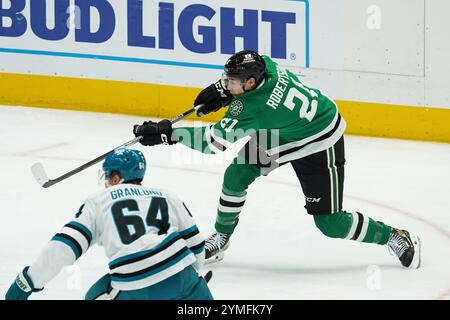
(415, 263)
(217, 258)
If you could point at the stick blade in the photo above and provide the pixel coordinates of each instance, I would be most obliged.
(208, 276)
(40, 175)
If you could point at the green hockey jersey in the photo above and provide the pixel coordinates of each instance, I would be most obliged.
(286, 118)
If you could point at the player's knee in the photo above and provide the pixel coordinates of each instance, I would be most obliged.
(99, 288)
(334, 225)
(239, 176)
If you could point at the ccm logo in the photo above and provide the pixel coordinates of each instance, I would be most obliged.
(312, 199)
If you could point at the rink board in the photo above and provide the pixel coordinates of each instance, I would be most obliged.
(370, 119)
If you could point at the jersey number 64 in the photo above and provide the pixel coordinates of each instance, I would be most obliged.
(126, 223)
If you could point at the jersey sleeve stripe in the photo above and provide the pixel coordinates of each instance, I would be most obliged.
(198, 248)
(81, 229)
(165, 264)
(219, 140)
(212, 143)
(170, 239)
(321, 144)
(71, 242)
(77, 236)
(320, 138)
(217, 144)
(291, 145)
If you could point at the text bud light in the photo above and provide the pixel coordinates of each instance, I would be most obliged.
(217, 32)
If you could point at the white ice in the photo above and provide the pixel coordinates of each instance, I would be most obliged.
(276, 251)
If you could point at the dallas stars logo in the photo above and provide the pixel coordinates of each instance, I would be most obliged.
(236, 108)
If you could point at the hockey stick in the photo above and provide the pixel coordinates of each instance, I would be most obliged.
(41, 176)
(208, 276)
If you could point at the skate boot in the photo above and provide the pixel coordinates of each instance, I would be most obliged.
(405, 247)
(215, 246)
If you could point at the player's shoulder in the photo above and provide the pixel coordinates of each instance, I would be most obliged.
(91, 203)
(271, 65)
(157, 191)
(94, 196)
(169, 194)
(266, 58)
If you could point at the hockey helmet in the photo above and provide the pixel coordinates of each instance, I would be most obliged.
(129, 163)
(244, 65)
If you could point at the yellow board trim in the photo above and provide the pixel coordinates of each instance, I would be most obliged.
(162, 101)
(395, 121)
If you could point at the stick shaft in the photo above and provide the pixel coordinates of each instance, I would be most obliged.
(51, 182)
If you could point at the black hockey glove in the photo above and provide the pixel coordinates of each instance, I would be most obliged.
(213, 97)
(154, 133)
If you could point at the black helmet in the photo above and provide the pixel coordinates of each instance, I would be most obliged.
(246, 64)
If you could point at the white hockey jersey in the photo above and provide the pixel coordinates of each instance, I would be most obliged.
(148, 235)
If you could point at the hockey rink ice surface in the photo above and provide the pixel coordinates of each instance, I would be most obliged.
(276, 251)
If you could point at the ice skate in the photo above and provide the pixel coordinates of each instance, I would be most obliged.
(405, 247)
(215, 246)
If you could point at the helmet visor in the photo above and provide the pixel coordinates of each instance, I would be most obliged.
(230, 82)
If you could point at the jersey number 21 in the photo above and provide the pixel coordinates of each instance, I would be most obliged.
(308, 108)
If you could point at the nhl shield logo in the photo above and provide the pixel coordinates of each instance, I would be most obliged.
(236, 108)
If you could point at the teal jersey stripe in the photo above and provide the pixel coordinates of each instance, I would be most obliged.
(69, 243)
(82, 227)
(187, 231)
(198, 250)
(142, 253)
(155, 271)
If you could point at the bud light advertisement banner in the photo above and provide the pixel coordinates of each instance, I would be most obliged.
(147, 40)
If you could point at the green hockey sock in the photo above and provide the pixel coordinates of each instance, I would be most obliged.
(353, 226)
(237, 178)
(228, 211)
